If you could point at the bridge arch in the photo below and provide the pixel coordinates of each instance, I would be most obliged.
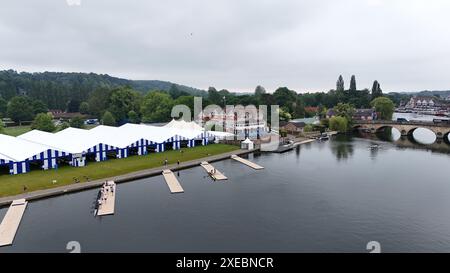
(446, 137)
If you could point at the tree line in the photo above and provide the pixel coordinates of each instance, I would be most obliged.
(115, 101)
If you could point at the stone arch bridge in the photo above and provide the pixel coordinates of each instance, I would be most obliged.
(405, 128)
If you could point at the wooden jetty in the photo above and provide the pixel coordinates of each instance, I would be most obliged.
(107, 205)
(246, 162)
(213, 172)
(172, 182)
(11, 221)
(304, 142)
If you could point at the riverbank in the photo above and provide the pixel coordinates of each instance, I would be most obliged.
(66, 175)
(46, 193)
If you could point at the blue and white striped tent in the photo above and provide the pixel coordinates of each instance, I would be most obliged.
(17, 154)
(77, 145)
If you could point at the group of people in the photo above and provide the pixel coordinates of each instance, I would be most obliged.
(103, 194)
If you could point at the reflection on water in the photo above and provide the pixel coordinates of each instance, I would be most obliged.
(343, 150)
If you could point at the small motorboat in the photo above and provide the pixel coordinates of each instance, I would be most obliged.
(374, 146)
(324, 137)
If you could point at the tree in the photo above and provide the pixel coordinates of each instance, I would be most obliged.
(284, 114)
(214, 96)
(376, 90)
(156, 107)
(338, 123)
(345, 110)
(39, 107)
(259, 90)
(133, 117)
(63, 126)
(99, 101)
(286, 98)
(108, 119)
(122, 101)
(3, 107)
(384, 106)
(186, 100)
(340, 84)
(2, 127)
(20, 108)
(84, 108)
(73, 106)
(174, 92)
(353, 84)
(43, 122)
(77, 122)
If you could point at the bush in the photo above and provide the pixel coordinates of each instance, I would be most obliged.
(84, 108)
(77, 122)
(63, 126)
(108, 119)
(133, 117)
(338, 124)
(308, 128)
(43, 122)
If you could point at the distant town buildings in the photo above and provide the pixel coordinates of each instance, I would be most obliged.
(365, 114)
(292, 127)
(417, 102)
(427, 105)
(253, 127)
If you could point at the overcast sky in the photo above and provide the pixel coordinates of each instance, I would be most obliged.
(235, 44)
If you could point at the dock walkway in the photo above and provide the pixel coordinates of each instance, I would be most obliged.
(107, 206)
(213, 172)
(246, 162)
(11, 221)
(172, 182)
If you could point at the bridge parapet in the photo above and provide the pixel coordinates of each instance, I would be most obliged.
(393, 122)
(405, 128)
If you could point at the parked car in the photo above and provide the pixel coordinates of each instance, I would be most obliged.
(91, 122)
(437, 121)
(402, 120)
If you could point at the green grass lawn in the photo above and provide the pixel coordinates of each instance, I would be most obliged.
(16, 130)
(39, 179)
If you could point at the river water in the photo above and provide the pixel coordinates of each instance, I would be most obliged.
(332, 196)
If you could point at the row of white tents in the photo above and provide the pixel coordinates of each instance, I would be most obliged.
(74, 145)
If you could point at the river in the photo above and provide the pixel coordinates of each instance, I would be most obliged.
(332, 196)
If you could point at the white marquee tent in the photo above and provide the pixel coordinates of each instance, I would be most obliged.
(17, 153)
(76, 144)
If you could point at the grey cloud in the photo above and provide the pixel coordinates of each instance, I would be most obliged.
(234, 44)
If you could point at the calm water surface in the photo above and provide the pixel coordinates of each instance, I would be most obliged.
(332, 196)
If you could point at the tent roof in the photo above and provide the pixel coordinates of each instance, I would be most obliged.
(183, 125)
(70, 140)
(16, 149)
